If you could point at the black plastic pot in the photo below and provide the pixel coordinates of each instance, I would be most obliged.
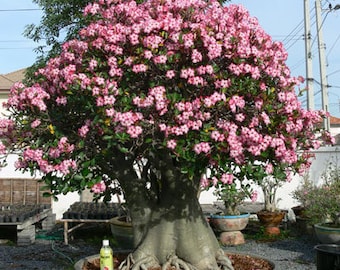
(327, 257)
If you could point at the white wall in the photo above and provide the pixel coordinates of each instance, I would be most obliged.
(324, 155)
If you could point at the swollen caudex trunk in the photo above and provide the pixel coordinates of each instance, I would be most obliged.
(172, 230)
(178, 237)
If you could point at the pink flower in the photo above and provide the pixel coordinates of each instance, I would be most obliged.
(196, 56)
(99, 187)
(65, 166)
(134, 131)
(254, 196)
(61, 100)
(227, 178)
(269, 168)
(148, 54)
(139, 68)
(35, 123)
(171, 144)
(2, 148)
(83, 131)
(202, 147)
(236, 101)
(205, 182)
(240, 117)
(160, 59)
(170, 74)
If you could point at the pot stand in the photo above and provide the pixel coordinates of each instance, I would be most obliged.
(229, 228)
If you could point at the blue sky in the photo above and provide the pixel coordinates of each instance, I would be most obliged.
(16, 51)
(283, 20)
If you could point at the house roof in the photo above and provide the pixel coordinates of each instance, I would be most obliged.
(334, 120)
(7, 80)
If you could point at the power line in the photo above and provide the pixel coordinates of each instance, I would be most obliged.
(20, 9)
(337, 39)
(14, 41)
(22, 48)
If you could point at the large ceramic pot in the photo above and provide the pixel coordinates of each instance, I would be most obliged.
(271, 221)
(229, 228)
(327, 234)
(327, 256)
(229, 223)
(122, 231)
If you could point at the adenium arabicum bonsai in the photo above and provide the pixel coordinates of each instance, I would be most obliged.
(164, 97)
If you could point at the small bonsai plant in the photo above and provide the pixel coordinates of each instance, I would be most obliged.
(300, 195)
(232, 194)
(322, 203)
(269, 186)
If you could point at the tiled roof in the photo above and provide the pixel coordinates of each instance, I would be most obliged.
(7, 80)
(334, 120)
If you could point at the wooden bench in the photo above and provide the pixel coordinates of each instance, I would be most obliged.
(26, 229)
(80, 222)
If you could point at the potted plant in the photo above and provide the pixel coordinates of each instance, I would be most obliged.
(156, 95)
(323, 209)
(300, 194)
(229, 221)
(270, 217)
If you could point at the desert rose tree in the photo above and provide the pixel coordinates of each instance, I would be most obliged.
(165, 97)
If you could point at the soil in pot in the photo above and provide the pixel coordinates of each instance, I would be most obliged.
(239, 262)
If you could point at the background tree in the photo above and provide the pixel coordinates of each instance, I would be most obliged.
(163, 97)
(60, 22)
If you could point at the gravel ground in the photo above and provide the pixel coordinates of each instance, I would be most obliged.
(296, 253)
(288, 254)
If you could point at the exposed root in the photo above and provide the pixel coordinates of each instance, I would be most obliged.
(149, 261)
(143, 263)
(126, 264)
(178, 263)
(223, 261)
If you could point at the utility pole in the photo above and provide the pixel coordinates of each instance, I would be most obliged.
(322, 61)
(309, 60)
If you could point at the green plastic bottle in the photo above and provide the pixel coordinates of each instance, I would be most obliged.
(106, 257)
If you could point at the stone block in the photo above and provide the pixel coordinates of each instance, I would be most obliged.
(232, 238)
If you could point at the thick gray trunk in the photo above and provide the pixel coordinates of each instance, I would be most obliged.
(170, 229)
(189, 238)
(175, 232)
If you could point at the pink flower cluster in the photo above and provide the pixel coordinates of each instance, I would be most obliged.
(22, 97)
(36, 156)
(99, 187)
(157, 97)
(192, 73)
(2, 148)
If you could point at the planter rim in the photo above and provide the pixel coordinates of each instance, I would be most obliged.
(328, 248)
(119, 222)
(324, 227)
(230, 216)
(79, 264)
